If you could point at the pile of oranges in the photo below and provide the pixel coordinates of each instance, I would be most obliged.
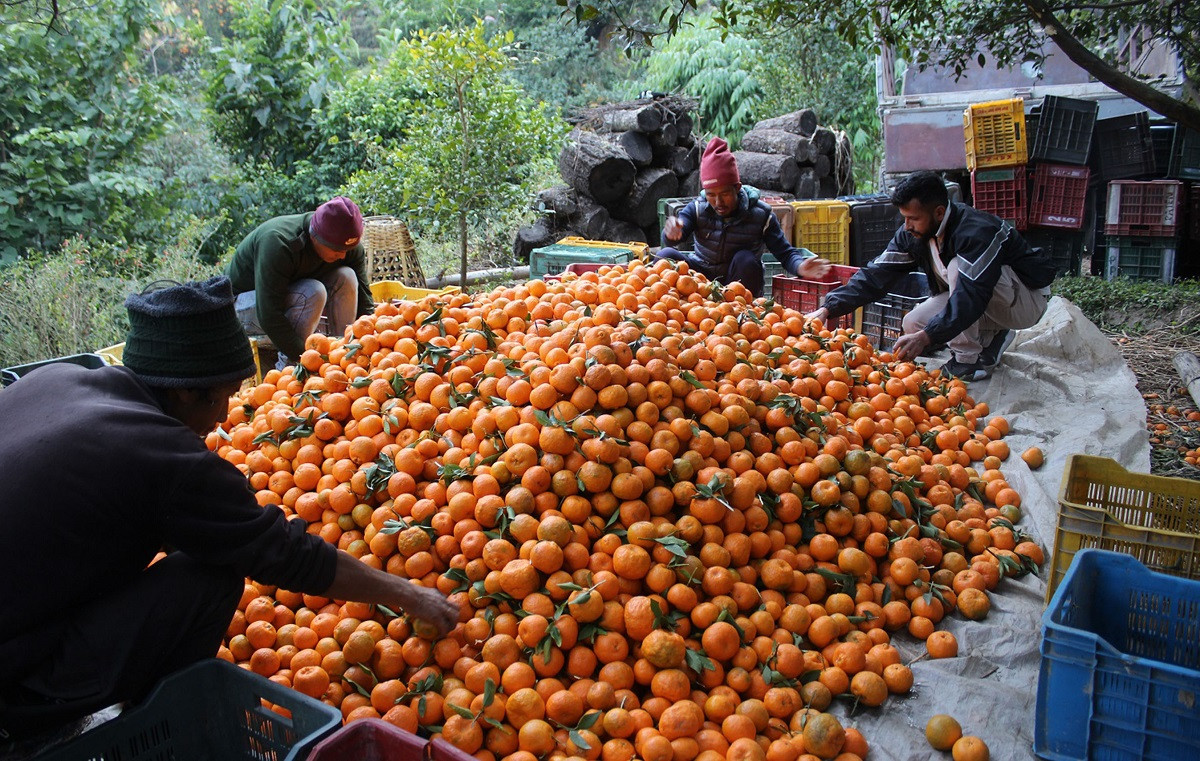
(679, 521)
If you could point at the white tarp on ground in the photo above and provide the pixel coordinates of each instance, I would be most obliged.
(1063, 386)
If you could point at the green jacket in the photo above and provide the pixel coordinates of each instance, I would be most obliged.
(276, 254)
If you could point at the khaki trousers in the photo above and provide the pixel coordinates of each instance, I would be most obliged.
(1013, 306)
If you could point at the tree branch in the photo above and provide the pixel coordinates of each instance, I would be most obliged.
(1143, 93)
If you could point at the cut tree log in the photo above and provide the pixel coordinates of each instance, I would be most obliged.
(802, 122)
(843, 164)
(767, 171)
(822, 165)
(827, 187)
(530, 237)
(1188, 367)
(641, 204)
(780, 141)
(689, 187)
(596, 167)
(646, 119)
(683, 126)
(559, 200)
(637, 145)
(682, 161)
(591, 219)
(824, 140)
(620, 231)
(665, 137)
(806, 184)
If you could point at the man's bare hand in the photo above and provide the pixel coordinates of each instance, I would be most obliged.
(821, 314)
(911, 345)
(432, 607)
(814, 269)
(673, 229)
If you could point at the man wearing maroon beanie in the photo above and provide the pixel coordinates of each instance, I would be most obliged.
(731, 227)
(291, 270)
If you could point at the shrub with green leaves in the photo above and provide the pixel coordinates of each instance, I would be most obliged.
(76, 109)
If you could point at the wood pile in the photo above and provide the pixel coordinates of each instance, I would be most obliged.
(793, 154)
(617, 163)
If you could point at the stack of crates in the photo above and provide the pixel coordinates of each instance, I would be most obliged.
(1142, 226)
(997, 150)
(1061, 144)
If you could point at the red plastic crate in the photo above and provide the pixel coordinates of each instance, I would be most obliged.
(1002, 192)
(807, 295)
(1059, 195)
(1148, 208)
(371, 740)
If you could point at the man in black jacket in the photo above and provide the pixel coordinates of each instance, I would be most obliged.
(986, 281)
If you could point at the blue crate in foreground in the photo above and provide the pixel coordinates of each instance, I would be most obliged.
(210, 711)
(1120, 673)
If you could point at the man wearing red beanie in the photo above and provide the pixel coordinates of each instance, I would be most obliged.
(291, 270)
(731, 227)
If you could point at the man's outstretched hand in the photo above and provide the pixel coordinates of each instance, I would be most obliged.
(821, 314)
(814, 269)
(673, 228)
(911, 345)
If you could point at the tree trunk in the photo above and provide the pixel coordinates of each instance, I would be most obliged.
(1138, 90)
(462, 245)
(780, 141)
(591, 219)
(806, 184)
(665, 137)
(641, 205)
(824, 140)
(620, 231)
(530, 237)
(559, 200)
(767, 171)
(683, 126)
(596, 167)
(637, 146)
(802, 122)
(1188, 368)
(643, 119)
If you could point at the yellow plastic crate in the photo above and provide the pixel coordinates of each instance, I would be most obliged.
(114, 354)
(1102, 505)
(640, 250)
(994, 134)
(823, 227)
(387, 290)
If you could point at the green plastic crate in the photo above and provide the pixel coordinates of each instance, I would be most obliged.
(1141, 258)
(553, 259)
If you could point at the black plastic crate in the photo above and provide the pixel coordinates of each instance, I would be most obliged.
(873, 222)
(1162, 136)
(1063, 247)
(11, 375)
(210, 710)
(882, 321)
(1184, 162)
(1123, 147)
(1063, 132)
(1193, 211)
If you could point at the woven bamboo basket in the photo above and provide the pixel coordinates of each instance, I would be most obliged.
(390, 252)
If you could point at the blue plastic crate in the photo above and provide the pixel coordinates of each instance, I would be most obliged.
(1120, 672)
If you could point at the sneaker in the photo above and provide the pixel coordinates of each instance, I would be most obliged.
(967, 372)
(990, 356)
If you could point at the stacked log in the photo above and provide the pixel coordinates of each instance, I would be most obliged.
(793, 154)
(616, 164)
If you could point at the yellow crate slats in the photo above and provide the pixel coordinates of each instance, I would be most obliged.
(387, 290)
(823, 227)
(994, 134)
(1155, 519)
(640, 250)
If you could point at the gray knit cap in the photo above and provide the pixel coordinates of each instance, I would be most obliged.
(187, 336)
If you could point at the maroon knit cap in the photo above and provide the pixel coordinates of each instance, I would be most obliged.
(337, 223)
(718, 168)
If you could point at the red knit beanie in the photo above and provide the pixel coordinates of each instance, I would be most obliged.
(337, 224)
(718, 168)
